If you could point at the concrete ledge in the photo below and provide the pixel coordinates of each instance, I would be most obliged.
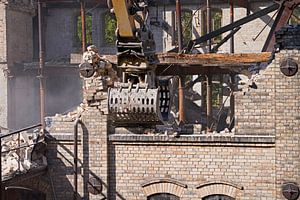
(62, 137)
(197, 139)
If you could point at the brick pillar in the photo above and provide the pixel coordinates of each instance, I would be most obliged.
(287, 120)
(3, 67)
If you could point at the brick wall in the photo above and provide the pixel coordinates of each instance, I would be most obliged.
(287, 120)
(250, 166)
(272, 109)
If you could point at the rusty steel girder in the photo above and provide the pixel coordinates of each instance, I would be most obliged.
(284, 14)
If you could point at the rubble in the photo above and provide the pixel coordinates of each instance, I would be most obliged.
(19, 154)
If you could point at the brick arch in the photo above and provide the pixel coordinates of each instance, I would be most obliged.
(164, 185)
(219, 187)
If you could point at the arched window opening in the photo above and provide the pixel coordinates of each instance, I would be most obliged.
(163, 196)
(218, 197)
(216, 22)
(110, 26)
(295, 18)
(187, 26)
(88, 27)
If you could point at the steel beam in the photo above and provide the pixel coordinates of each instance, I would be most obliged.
(282, 18)
(229, 27)
(225, 39)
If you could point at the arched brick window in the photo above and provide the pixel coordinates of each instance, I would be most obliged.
(163, 196)
(218, 197)
(218, 190)
(163, 189)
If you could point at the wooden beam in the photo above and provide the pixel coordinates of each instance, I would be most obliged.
(195, 64)
(213, 59)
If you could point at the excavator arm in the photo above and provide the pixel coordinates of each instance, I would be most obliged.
(141, 98)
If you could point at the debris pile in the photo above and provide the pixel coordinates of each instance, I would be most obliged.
(21, 153)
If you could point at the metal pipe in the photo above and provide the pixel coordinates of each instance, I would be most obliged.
(75, 165)
(209, 102)
(41, 66)
(83, 27)
(231, 21)
(232, 103)
(208, 22)
(20, 130)
(181, 78)
(181, 86)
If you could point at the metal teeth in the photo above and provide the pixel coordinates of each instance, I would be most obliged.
(139, 106)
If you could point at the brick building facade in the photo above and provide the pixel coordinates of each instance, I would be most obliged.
(253, 162)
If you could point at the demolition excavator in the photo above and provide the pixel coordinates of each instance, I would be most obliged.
(141, 97)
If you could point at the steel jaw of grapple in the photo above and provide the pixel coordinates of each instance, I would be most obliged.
(139, 105)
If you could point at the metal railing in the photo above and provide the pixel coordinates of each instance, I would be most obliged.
(14, 149)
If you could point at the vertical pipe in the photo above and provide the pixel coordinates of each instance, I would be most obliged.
(179, 25)
(209, 101)
(208, 22)
(18, 152)
(83, 27)
(75, 165)
(41, 65)
(181, 78)
(232, 103)
(231, 21)
(181, 86)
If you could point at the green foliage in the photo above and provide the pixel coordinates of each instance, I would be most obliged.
(110, 26)
(89, 27)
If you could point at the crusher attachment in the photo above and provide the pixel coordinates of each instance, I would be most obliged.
(139, 105)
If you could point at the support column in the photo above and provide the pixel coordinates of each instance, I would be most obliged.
(208, 23)
(181, 83)
(83, 27)
(181, 86)
(41, 65)
(209, 102)
(232, 103)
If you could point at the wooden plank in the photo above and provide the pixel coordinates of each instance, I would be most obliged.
(213, 59)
